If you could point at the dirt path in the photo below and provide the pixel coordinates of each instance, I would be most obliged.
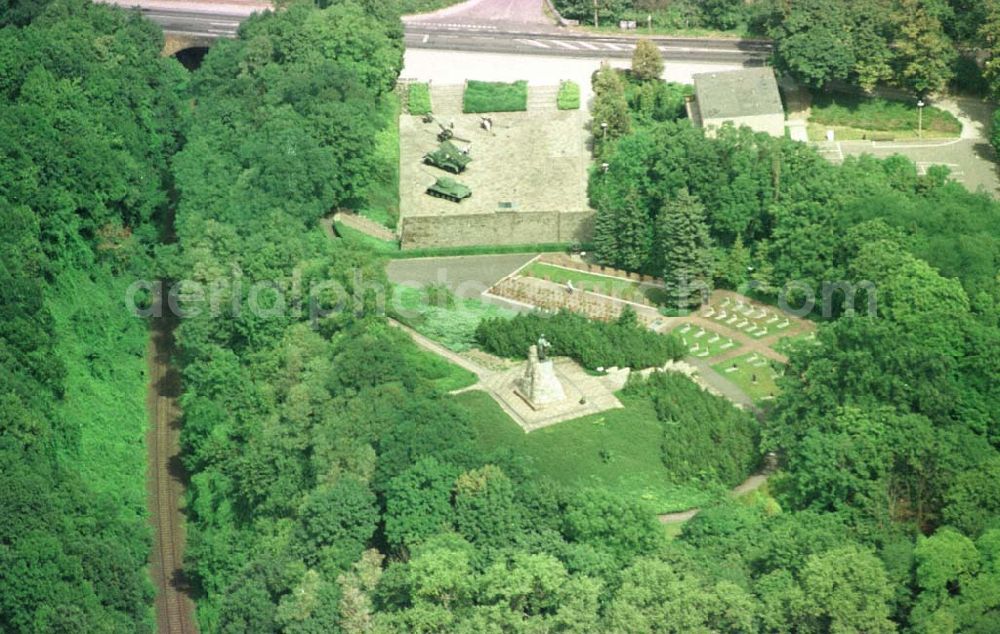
(165, 485)
(749, 485)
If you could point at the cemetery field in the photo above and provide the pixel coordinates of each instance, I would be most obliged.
(617, 450)
(703, 342)
(617, 287)
(753, 373)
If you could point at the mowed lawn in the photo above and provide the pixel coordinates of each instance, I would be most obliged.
(618, 450)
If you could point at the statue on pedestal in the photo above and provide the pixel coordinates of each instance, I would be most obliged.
(539, 385)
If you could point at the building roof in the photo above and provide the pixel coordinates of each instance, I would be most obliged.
(737, 93)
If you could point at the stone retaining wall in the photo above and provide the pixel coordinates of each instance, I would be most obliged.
(496, 228)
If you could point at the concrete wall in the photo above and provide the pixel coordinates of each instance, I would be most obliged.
(497, 228)
(773, 124)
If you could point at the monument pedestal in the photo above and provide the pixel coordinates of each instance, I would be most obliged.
(539, 386)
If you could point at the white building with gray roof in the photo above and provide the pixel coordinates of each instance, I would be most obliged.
(748, 96)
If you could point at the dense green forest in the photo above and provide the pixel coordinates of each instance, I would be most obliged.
(90, 115)
(888, 429)
(919, 45)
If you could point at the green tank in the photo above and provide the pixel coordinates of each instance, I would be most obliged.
(449, 189)
(448, 157)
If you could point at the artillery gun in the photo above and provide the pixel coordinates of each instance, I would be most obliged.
(447, 132)
(449, 158)
(449, 189)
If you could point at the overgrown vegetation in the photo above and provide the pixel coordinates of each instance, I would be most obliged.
(882, 115)
(495, 96)
(381, 199)
(418, 101)
(623, 343)
(568, 97)
(435, 313)
(83, 176)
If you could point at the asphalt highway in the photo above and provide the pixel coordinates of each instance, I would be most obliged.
(222, 20)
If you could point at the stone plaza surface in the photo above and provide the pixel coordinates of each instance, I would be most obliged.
(535, 161)
(585, 394)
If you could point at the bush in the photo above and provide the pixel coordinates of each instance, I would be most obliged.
(594, 344)
(569, 96)
(880, 114)
(652, 101)
(495, 96)
(704, 436)
(419, 99)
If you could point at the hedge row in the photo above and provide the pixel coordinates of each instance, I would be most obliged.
(593, 344)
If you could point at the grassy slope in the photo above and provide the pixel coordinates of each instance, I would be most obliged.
(446, 376)
(104, 348)
(571, 452)
(764, 387)
(615, 287)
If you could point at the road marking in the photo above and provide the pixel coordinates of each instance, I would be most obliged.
(533, 43)
(613, 47)
(229, 24)
(564, 44)
(589, 45)
(426, 37)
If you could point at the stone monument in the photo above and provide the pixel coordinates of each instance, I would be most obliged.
(539, 386)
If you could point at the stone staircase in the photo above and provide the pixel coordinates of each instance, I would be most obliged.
(542, 97)
(447, 100)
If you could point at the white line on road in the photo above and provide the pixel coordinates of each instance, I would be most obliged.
(426, 37)
(564, 44)
(533, 43)
(589, 45)
(614, 47)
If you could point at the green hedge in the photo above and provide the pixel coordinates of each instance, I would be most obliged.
(569, 96)
(880, 115)
(419, 99)
(594, 344)
(494, 96)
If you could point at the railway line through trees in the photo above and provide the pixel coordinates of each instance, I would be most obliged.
(166, 481)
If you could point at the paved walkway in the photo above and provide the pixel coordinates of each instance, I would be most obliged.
(749, 485)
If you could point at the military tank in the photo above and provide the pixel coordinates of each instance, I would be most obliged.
(449, 189)
(448, 157)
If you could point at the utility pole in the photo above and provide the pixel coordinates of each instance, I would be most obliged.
(920, 118)
(595, 14)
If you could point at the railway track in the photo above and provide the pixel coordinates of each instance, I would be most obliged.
(174, 608)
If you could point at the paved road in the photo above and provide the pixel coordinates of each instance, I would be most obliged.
(478, 25)
(467, 276)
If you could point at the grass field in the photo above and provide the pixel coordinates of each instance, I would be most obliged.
(493, 96)
(756, 380)
(382, 202)
(618, 450)
(568, 97)
(453, 324)
(446, 376)
(352, 235)
(852, 117)
(418, 99)
(103, 347)
(711, 341)
(582, 280)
